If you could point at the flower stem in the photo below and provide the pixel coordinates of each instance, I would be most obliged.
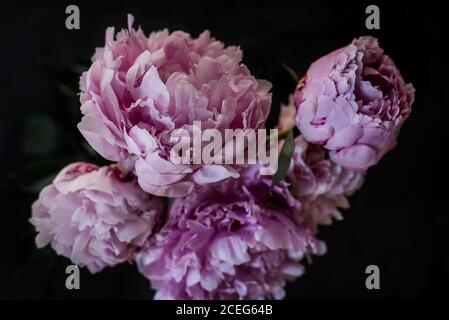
(280, 135)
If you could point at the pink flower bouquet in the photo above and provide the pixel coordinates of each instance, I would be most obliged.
(216, 229)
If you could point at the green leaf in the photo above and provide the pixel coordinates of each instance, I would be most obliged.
(285, 157)
(36, 186)
(40, 136)
(78, 69)
(32, 175)
(291, 72)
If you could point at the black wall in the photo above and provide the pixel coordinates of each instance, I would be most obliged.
(396, 221)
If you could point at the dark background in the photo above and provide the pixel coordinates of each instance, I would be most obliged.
(396, 221)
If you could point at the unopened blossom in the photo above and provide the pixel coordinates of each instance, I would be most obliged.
(354, 101)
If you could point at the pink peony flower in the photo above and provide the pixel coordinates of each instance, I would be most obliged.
(233, 240)
(321, 185)
(93, 217)
(353, 102)
(139, 89)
